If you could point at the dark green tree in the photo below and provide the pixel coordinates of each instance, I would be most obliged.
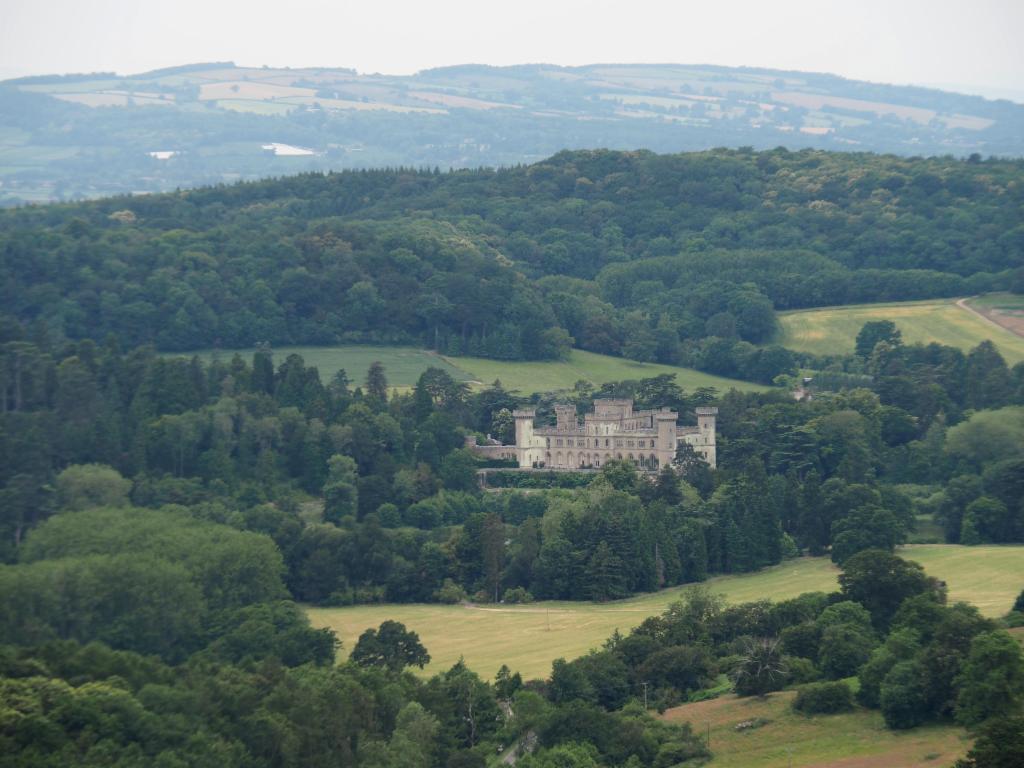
(392, 646)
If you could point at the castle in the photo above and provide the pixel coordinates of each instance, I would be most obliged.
(612, 431)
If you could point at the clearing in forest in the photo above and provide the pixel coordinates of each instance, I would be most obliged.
(784, 738)
(529, 637)
(403, 366)
(832, 330)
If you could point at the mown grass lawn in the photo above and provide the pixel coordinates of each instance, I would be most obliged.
(832, 330)
(529, 637)
(857, 739)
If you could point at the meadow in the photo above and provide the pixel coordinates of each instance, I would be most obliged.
(403, 366)
(833, 330)
(788, 739)
(528, 377)
(529, 637)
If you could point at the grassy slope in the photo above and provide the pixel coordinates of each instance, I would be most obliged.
(990, 577)
(834, 329)
(529, 377)
(403, 365)
(857, 739)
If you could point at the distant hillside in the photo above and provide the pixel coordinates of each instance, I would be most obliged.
(676, 259)
(71, 136)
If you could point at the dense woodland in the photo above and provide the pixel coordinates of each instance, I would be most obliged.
(681, 259)
(161, 516)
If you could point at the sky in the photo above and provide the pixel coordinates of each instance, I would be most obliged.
(971, 46)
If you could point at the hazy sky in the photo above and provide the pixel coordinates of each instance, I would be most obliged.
(973, 44)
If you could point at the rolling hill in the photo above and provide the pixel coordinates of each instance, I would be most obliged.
(403, 366)
(70, 136)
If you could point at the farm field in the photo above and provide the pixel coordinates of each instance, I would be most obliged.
(834, 329)
(403, 365)
(1004, 309)
(857, 739)
(529, 637)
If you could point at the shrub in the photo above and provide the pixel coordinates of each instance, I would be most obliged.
(823, 698)
(517, 595)
(801, 670)
(450, 593)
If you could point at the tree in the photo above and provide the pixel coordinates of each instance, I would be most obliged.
(875, 331)
(693, 469)
(376, 383)
(503, 426)
(506, 684)
(458, 471)
(91, 485)
(492, 552)
(988, 379)
(992, 680)
(880, 581)
(391, 646)
(843, 650)
(761, 668)
(604, 574)
(1000, 744)
(683, 667)
(341, 494)
(903, 699)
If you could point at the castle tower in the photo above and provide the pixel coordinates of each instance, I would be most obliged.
(565, 418)
(665, 422)
(524, 436)
(706, 416)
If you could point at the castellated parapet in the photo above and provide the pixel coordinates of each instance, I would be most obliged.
(613, 430)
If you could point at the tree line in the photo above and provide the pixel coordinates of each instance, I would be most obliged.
(681, 259)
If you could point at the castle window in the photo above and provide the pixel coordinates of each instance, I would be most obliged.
(607, 442)
(558, 443)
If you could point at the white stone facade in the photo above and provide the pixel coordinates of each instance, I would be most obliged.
(612, 431)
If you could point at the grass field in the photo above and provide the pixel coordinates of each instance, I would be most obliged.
(834, 329)
(529, 637)
(403, 365)
(529, 377)
(857, 739)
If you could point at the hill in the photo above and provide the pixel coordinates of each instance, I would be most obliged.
(788, 739)
(64, 137)
(833, 330)
(403, 366)
(529, 637)
(670, 259)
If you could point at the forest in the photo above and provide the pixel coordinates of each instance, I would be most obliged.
(679, 259)
(163, 517)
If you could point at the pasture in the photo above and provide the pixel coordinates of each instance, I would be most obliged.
(403, 365)
(529, 637)
(528, 377)
(832, 330)
(857, 739)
